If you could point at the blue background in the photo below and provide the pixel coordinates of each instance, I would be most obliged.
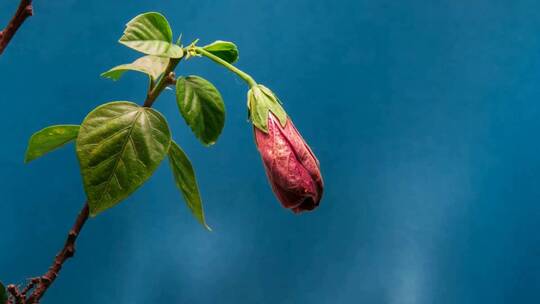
(424, 115)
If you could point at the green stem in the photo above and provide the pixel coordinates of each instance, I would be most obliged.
(163, 82)
(248, 79)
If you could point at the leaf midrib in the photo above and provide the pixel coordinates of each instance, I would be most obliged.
(124, 145)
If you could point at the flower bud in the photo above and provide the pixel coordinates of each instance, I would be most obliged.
(291, 167)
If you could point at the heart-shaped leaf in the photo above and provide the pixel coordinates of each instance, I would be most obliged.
(153, 66)
(119, 146)
(186, 182)
(3, 294)
(48, 139)
(223, 49)
(201, 106)
(150, 33)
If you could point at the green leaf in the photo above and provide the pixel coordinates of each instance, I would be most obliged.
(186, 182)
(260, 101)
(223, 49)
(3, 294)
(119, 146)
(150, 33)
(153, 66)
(201, 106)
(48, 139)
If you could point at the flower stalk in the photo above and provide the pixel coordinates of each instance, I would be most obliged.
(248, 79)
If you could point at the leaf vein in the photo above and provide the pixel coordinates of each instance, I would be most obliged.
(107, 186)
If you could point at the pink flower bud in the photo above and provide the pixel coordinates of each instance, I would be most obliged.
(291, 167)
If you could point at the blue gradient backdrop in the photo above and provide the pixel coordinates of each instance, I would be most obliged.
(424, 115)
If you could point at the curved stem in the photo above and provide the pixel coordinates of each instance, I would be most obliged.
(248, 79)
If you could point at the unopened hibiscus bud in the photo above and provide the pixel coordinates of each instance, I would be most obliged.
(291, 167)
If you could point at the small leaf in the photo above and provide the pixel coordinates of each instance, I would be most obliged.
(186, 182)
(3, 294)
(48, 139)
(223, 49)
(260, 101)
(153, 66)
(201, 106)
(119, 146)
(150, 33)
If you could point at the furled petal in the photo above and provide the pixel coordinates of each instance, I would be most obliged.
(291, 167)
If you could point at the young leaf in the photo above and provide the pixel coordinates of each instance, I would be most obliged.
(153, 66)
(150, 33)
(201, 106)
(119, 146)
(186, 182)
(223, 49)
(3, 294)
(48, 139)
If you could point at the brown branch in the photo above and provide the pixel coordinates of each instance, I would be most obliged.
(15, 294)
(41, 284)
(167, 79)
(31, 284)
(24, 11)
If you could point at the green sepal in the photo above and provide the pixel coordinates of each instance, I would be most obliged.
(225, 50)
(261, 101)
(153, 66)
(120, 145)
(150, 33)
(184, 176)
(49, 139)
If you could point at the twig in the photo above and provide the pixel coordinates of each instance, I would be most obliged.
(15, 294)
(31, 284)
(168, 78)
(24, 11)
(42, 283)
(39, 285)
